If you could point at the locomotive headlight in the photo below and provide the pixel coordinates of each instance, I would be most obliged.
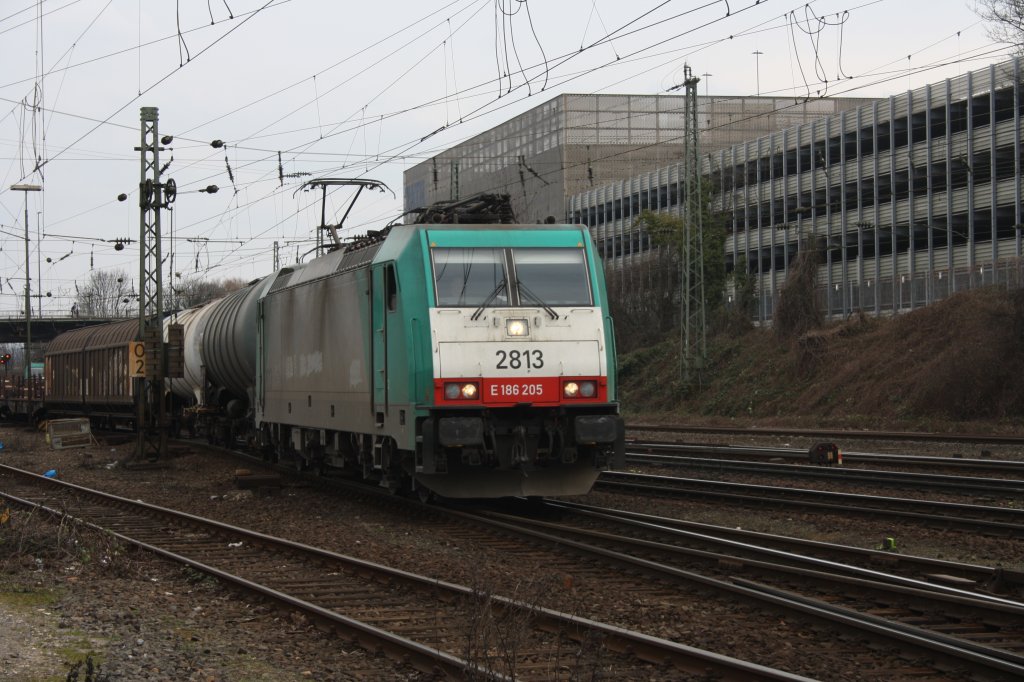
(517, 327)
(579, 389)
(466, 391)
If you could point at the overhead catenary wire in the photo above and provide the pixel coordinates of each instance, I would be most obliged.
(378, 154)
(158, 82)
(392, 157)
(933, 66)
(596, 42)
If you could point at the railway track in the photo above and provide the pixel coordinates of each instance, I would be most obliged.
(961, 484)
(432, 625)
(943, 608)
(952, 621)
(666, 453)
(991, 520)
(919, 568)
(985, 580)
(835, 434)
(638, 581)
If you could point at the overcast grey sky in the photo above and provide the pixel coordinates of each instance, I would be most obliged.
(367, 90)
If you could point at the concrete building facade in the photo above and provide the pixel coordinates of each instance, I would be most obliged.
(908, 199)
(574, 143)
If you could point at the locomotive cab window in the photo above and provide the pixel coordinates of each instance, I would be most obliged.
(466, 277)
(556, 276)
(469, 277)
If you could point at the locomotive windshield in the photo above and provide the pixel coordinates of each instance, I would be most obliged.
(477, 277)
(467, 277)
(552, 276)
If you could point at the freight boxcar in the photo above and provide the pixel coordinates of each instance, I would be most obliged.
(87, 374)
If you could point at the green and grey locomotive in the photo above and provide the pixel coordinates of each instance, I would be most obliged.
(472, 360)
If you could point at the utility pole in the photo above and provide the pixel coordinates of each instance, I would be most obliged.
(693, 341)
(277, 257)
(28, 283)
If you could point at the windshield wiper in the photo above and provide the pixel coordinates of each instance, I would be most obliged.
(537, 299)
(493, 295)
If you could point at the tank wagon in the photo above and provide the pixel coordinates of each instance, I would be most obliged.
(463, 360)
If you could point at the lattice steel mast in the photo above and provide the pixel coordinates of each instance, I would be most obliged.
(693, 333)
(152, 417)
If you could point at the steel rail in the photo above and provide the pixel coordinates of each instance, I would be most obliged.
(907, 633)
(641, 647)
(992, 439)
(997, 660)
(892, 478)
(924, 598)
(1011, 521)
(665, 529)
(849, 456)
(935, 570)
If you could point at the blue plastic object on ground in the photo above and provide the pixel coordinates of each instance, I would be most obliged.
(52, 473)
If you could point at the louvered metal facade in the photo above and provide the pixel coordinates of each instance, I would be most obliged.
(909, 198)
(574, 143)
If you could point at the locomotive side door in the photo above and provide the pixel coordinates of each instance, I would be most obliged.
(382, 293)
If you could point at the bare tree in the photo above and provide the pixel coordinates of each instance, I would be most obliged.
(232, 284)
(1006, 21)
(112, 294)
(193, 291)
(107, 293)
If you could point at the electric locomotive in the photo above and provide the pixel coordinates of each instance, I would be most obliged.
(469, 360)
(466, 360)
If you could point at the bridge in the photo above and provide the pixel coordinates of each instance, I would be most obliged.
(46, 328)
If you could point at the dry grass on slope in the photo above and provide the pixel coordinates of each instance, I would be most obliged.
(958, 360)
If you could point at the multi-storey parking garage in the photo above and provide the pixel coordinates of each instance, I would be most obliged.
(575, 142)
(909, 199)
